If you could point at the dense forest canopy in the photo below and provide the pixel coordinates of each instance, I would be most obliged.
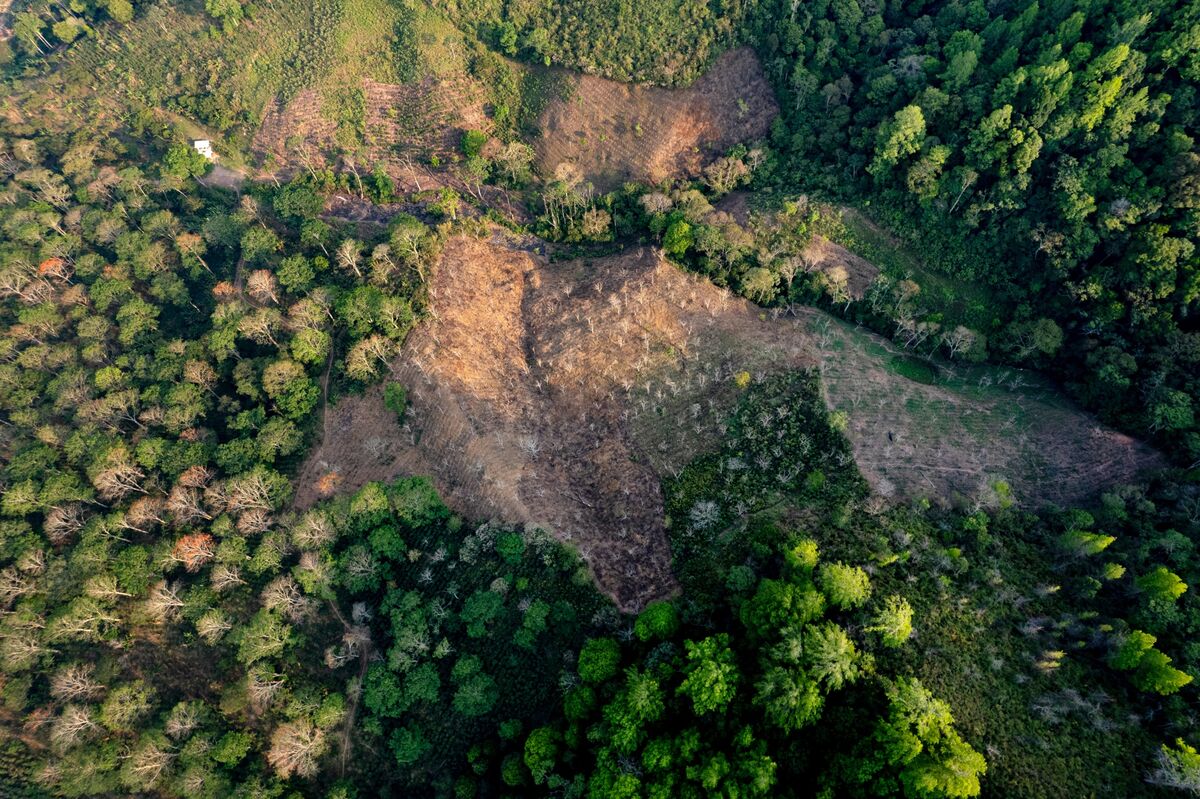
(1007, 184)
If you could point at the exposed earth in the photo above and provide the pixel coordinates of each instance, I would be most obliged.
(559, 394)
(951, 432)
(615, 132)
(526, 386)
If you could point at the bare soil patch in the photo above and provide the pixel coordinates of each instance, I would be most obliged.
(838, 263)
(556, 395)
(405, 126)
(559, 394)
(222, 177)
(5, 30)
(301, 120)
(737, 205)
(425, 119)
(616, 132)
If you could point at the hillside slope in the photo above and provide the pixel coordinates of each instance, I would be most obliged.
(559, 394)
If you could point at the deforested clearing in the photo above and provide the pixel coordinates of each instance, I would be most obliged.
(616, 132)
(558, 395)
(951, 432)
(547, 394)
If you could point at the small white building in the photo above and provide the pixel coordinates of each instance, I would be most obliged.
(204, 147)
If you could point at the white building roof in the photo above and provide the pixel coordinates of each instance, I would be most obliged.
(204, 147)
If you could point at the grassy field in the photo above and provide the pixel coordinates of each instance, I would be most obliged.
(170, 64)
(953, 432)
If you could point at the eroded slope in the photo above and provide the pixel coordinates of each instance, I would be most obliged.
(557, 395)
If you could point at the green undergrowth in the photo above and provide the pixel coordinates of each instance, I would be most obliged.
(916, 369)
(474, 624)
(778, 447)
(170, 58)
(1008, 629)
(953, 301)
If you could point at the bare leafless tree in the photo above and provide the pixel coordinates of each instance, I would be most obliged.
(164, 602)
(313, 531)
(262, 286)
(225, 575)
(75, 683)
(73, 726)
(296, 748)
(213, 625)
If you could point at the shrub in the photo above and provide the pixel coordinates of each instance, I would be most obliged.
(598, 660)
(473, 142)
(395, 397)
(659, 620)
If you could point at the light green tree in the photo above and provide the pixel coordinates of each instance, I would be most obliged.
(896, 139)
(711, 674)
(893, 621)
(845, 586)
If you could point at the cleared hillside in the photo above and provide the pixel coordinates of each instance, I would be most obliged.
(951, 432)
(558, 395)
(616, 132)
(536, 390)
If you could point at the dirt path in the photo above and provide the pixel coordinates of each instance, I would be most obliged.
(365, 656)
(5, 30)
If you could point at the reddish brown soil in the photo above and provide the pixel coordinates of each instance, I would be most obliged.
(301, 119)
(422, 120)
(524, 388)
(559, 394)
(737, 205)
(618, 131)
(613, 131)
(406, 127)
(838, 263)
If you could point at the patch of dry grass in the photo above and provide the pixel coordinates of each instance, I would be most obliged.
(950, 432)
